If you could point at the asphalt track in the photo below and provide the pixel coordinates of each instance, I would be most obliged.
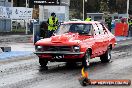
(25, 71)
(21, 45)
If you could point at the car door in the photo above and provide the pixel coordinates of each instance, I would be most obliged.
(98, 40)
(106, 37)
(103, 36)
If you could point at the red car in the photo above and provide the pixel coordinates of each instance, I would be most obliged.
(76, 41)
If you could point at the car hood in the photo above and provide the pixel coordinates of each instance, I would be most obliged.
(69, 37)
(66, 38)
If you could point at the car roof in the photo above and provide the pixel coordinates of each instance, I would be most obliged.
(81, 22)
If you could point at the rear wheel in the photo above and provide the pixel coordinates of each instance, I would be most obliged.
(43, 62)
(86, 59)
(107, 56)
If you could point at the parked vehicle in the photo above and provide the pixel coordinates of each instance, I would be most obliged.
(75, 20)
(76, 41)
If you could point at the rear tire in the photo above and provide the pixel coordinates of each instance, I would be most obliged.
(106, 57)
(43, 62)
(86, 59)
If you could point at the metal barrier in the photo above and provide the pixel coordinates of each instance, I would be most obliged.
(121, 29)
(36, 33)
(5, 25)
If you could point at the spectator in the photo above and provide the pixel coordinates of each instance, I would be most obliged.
(108, 21)
(52, 24)
(88, 19)
(43, 29)
(130, 25)
(31, 26)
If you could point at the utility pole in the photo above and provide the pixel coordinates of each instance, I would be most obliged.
(84, 8)
(127, 10)
(11, 18)
(12, 3)
(26, 18)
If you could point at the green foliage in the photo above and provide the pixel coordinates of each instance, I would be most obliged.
(94, 6)
(104, 6)
(18, 30)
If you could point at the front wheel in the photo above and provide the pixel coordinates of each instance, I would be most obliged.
(107, 56)
(43, 62)
(86, 59)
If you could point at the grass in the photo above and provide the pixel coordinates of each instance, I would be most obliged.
(18, 30)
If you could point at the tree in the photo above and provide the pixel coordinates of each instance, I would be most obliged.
(76, 8)
(104, 6)
(112, 5)
(97, 6)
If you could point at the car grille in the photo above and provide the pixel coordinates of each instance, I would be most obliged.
(57, 48)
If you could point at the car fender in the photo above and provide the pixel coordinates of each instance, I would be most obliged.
(86, 47)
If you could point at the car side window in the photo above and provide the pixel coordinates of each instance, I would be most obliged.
(96, 30)
(101, 31)
(91, 30)
(104, 29)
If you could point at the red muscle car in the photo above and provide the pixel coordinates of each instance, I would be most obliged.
(76, 41)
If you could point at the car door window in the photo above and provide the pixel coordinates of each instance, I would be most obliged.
(100, 27)
(96, 30)
(104, 29)
(91, 30)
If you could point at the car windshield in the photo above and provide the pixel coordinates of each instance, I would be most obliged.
(74, 28)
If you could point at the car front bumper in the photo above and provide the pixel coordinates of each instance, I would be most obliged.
(60, 56)
(59, 52)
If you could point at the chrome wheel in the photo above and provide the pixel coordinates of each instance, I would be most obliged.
(109, 54)
(106, 57)
(86, 59)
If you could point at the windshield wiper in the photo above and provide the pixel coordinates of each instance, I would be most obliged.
(84, 34)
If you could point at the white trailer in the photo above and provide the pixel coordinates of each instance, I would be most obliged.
(62, 11)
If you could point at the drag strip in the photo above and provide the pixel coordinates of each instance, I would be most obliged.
(25, 72)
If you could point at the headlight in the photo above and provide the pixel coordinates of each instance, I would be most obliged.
(39, 48)
(76, 49)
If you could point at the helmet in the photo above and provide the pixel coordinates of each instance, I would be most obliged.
(53, 14)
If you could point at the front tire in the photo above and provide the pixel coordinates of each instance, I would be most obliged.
(86, 59)
(106, 57)
(43, 62)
